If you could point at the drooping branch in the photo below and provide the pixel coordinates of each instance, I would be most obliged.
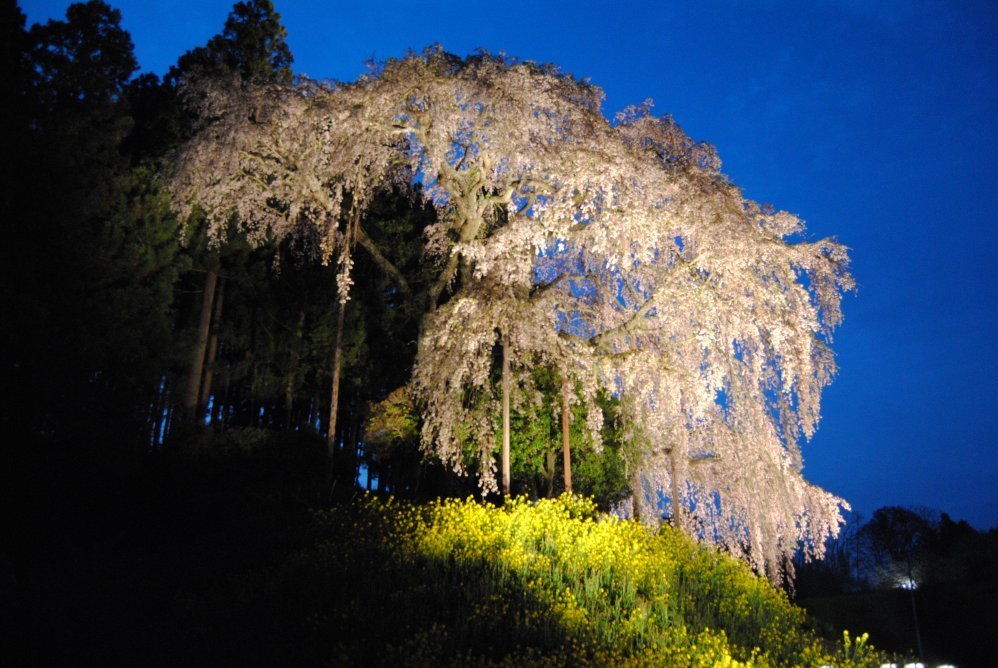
(630, 326)
(386, 265)
(445, 277)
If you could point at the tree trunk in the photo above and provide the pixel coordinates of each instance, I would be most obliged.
(157, 418)
(223, 406)
(289, 389)
(636, 493)
(197, 364)
(505, 418)
(566, 447)
(170, 415)
(677, 513)
(289, 403)
(549, 472)
(334, 397)
(252, 410)
(216, 321)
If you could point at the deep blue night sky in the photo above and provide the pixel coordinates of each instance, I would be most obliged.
(875, 122)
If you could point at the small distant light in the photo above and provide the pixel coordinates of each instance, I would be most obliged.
(945, 665)
(914, 665)
(888, 665)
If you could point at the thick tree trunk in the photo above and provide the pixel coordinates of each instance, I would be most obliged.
(566, 446)
(549, 472)
(212, 353)
(505, 418)
(197, 363)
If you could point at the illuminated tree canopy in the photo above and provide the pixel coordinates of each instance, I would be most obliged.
(614, 251)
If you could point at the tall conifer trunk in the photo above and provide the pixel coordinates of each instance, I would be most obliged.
(289, 402)
(212, 353)
(505, 418)
(289, 389)
(566, 446)
(334, 397)
(197, 363)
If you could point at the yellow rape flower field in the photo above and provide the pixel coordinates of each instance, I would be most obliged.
(545, 583)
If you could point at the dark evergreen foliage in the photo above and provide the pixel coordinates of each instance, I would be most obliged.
(92, 252)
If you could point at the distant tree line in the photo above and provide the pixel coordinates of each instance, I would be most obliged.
(900, 548)
(919, 581)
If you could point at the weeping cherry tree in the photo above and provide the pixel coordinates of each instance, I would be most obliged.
(615, 252)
